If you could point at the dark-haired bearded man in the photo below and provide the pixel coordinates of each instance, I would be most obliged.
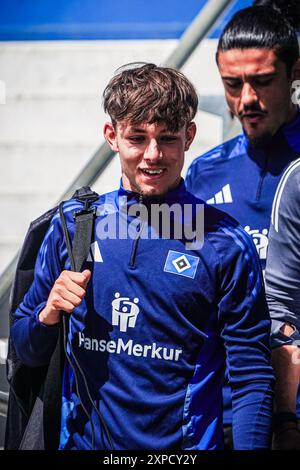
(258, 60)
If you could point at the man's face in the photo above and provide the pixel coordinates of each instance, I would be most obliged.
(257, 90)
(151, 156)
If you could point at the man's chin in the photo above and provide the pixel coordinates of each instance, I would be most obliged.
(148, 193)
(259, 139)
(156, 191)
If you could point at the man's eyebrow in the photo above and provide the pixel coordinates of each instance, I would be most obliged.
(142, 130)
(254, 75)
(136, 129)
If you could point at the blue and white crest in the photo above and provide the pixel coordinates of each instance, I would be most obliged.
(181, 264)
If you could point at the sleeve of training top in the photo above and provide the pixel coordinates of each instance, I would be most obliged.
(34, 342)
(244, 326)
(283, 261)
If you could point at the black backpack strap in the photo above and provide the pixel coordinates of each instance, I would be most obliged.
(52, 395)
(78, 253)
(84, 221)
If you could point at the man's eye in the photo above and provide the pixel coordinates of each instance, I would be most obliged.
(136, 138)
(168, 139)
(262, 82)
(233, 85)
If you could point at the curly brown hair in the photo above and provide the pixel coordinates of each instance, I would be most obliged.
(152, 94)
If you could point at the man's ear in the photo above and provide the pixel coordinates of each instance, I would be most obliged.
(190, 135)
(296, 71)
(110, 135)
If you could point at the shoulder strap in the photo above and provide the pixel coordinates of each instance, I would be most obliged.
(78, 253)
(84, 220)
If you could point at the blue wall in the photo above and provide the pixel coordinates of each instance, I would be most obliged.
(101, 19)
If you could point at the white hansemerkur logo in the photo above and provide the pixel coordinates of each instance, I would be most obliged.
(260, 240)
(124, 312)
(124, 316)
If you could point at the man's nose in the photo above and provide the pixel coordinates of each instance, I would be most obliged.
(152, 151)
(248, 95)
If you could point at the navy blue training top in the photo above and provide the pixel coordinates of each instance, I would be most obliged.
(158, 323)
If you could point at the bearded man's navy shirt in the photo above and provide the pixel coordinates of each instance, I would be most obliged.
(242, 181)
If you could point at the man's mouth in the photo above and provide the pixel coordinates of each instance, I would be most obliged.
(152, 173)
(253, 117)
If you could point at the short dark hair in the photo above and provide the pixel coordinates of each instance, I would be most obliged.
(149, 93)
(267, 24)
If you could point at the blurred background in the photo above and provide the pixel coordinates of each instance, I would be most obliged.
(56, 57)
